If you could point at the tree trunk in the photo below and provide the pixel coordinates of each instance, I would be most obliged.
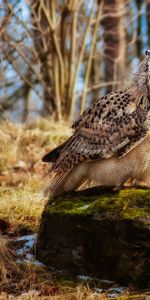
(114, 43)
(139, 38)
(95, 73)
(148, 18)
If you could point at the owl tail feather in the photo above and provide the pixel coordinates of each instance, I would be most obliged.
(55, 185)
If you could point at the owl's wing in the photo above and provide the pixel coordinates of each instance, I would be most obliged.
(113, 126)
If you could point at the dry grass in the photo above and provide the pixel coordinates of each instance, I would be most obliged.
(21, 170)
(16, 279)
(28, 143)
(21, 206)
(27, 281)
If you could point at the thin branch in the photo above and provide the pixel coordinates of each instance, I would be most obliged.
(56, 44)
(24, 78)
(79, 63)
(89, 63)
(104, 84)
(72, 50)
(42, 5)
(24, 57)
(57, 94)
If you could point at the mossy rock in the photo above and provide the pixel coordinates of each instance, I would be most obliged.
(102, 233)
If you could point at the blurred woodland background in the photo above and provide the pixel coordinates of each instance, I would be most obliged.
(56, 56)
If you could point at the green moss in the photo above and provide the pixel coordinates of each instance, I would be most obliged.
(126, 204)
(66, 280)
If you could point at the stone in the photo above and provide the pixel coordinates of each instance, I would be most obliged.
(101, 233)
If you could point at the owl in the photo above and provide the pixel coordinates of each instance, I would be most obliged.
(110, 144)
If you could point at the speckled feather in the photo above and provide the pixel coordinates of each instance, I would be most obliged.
(110, 127)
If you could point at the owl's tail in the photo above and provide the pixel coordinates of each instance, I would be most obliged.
(64, 162)
(54, 182)
(55, 177)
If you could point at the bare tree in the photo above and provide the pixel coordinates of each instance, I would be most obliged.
(60, 44)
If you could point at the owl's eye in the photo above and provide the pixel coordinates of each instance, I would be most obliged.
(147, 52)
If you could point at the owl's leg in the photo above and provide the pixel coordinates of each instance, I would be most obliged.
(125, 183)
(141, 184)
(143, 181)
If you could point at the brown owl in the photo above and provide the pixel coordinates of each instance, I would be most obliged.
(110, 143)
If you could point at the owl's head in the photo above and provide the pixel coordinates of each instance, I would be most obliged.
(142, 76)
